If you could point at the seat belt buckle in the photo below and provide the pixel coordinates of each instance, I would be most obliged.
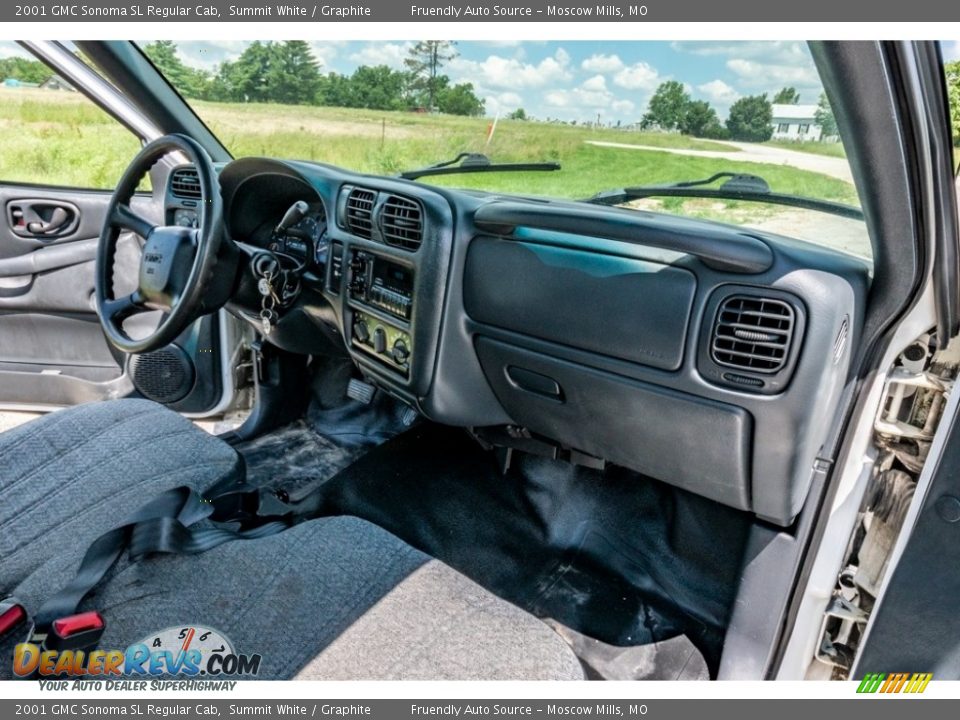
(12, 615)
(73, 632)
(235, 506)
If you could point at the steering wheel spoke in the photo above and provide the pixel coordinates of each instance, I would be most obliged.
(124, 217)
(120, 309)
(176, 264)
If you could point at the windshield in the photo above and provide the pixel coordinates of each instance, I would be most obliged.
(611, 114)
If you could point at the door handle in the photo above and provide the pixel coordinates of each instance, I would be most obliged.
(42, 218)
(58, 220)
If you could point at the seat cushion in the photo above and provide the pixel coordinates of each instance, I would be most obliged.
(320, 600)
(439, 625)
(69, 476)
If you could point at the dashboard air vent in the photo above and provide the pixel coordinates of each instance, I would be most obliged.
(753, 333)
(185, 184)
(359, 212)
(401, 223)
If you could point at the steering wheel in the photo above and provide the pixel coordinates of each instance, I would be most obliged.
(177, 263)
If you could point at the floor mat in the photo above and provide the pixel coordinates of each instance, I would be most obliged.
(299, 457)
(612, 555)
(674, 659)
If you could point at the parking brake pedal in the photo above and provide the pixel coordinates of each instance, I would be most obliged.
(360, 391)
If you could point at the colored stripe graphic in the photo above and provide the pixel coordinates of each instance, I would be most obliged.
(893, 683)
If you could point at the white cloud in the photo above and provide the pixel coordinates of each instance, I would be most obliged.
(390, 54)
(498, 72)
(324, 52)
(597, 82)
(760, 66)
(764, 75)
(578, 98)
(602, 63)
(592, 97)
(718, 92)
(208, 54)
(639, 76)
(500, 103)
(11, 49)
(778, 52)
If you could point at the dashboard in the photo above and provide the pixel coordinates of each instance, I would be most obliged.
(703, 355)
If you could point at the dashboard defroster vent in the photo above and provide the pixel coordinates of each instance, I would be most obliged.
(359, 212)
(401, 223)
(185, 184)
(753, 333)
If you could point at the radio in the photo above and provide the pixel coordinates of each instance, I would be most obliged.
(382, 284)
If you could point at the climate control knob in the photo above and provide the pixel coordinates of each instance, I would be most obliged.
(360, 331)
(400, 352)
(380, 340)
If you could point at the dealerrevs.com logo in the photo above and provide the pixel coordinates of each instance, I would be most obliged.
(892, 683)
(189, 651)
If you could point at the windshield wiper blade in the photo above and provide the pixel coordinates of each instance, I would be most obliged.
(738, 186)
(476, 163)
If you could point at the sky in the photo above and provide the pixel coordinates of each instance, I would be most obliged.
(578, 80)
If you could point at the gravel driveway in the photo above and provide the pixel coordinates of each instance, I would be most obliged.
(833, 167)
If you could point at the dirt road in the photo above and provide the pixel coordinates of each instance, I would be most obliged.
(749, 152)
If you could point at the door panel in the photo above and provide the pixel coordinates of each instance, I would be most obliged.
(916, 627)
(52, 350)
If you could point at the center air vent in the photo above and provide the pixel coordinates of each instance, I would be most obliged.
(359, 212)
(185, 184)
(401, 223)
(753, 333)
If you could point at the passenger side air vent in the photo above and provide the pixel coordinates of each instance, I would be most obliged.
(185, 184)
(401, 223)
(359, 212)
(753, 333)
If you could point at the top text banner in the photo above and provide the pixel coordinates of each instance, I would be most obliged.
(483, 11)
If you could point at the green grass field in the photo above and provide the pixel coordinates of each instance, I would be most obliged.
(830, 149)
(60, 138)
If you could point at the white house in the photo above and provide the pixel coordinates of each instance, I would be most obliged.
(796, 122)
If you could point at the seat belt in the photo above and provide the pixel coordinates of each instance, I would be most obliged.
(164, 525)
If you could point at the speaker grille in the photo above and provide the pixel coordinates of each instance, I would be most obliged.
(164, 376)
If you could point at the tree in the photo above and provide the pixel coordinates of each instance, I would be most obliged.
(518, 114)
(190, 82)
(787, 96)
(824, 117)
(667, 106)
(697, 117)
(376, 88)
(163, 54)
(751, 119)
(426, 60)
(952, 70)
(24, 70)
(245, 79)
(292, 75)
(459, 100)
(280, 72)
